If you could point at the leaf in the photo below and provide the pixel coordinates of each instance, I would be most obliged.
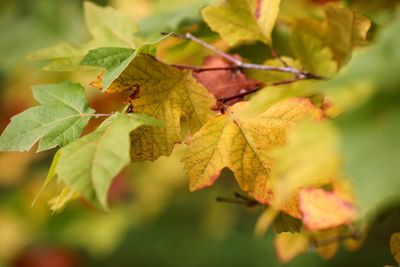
(311, 157)
(50, 175)
(395, 246)
(370, 134)
(224, 83)
(270, 95)
(243, 20)
(115, 60)
(243, 143)
(339, 24)
(59, 201)
(324, 210)
(312, 54)
(108, 28)
(370, 125)
(169, 16)
(108, 25)
(88, 165)
(287, 223)
(290, 245)
(59, 120)
(168, 94)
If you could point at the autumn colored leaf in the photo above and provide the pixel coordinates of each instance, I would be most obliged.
(242, 143)
(339, 23)
(88, 165)
(58, 120)
(323, 210)
(290, 245)
(168, 94)
(310, 158)
(243, 20)
(395, 246)
(224, 84)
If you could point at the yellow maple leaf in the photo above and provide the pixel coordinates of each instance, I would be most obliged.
(242, 142)
(243, 20)
(168, 94)
(323, 210)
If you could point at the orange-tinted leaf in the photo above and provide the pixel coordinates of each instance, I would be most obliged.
(323, 210)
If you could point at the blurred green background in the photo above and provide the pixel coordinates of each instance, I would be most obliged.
(154, 220)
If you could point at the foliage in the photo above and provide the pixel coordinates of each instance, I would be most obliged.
(312, 136)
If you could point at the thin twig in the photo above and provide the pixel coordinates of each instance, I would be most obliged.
(243, 65)
(200, 69)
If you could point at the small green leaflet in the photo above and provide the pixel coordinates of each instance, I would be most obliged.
(89, 164)
(115, 59)
(59, 120)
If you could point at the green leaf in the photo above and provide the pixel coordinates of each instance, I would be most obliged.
(108, 28)
(370, 125)
(243, 20)
(89, 164)
(59, 120)
(169, 15)
(106, 24)
(371, 148)
(116, 60)
(314, 57)
(286, 223)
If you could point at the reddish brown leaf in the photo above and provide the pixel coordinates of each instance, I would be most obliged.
(224, 83)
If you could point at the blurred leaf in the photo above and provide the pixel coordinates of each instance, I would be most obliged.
(108, 25)
(168, 16)
(88, 165)
(59, 120)
(58, 202)
(243, 20)
(339, 24)
(395, 246)
(108, 28)
(310, 158)
(323, 210)
(270, 95)
(370, 135)
(371, 128)
(287, 223)
(290, 245)
(313, 56)
(243, 144)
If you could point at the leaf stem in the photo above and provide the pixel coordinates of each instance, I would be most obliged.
(242, 65)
